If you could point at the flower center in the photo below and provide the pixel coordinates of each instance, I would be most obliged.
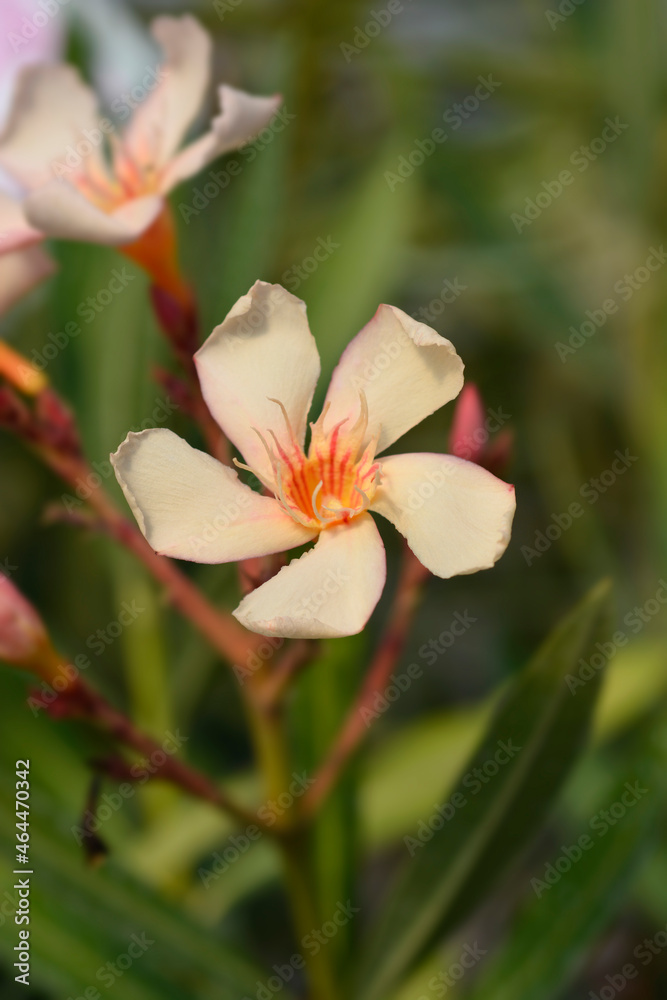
(125, 175)
(335, 482)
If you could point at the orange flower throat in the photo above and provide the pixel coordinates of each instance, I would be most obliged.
(335, 482)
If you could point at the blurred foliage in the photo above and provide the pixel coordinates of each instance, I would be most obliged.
(357, 118)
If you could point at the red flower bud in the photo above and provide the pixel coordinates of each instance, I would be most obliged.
(468, 435)
(23, 637)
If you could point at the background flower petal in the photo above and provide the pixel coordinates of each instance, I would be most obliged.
(51, 110)
(20, 271)
(160, 123)
(242, 117)
(58, 210)
(15, 230)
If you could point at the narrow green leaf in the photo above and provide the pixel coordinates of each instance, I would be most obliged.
(81, 920)
(551, 937)
(371, 231)
(493, 812)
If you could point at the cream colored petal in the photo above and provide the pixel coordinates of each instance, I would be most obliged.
(160, 123)
(51, 111)
(456, 516)
(263, 350)
(406, 370)
(189, 506)
(20, 271)
(243, 116)
(58, 210)
(330, 591)
(15, 231)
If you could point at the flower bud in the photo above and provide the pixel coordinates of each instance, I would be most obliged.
(23, 638)
(468, 435)
(19, 372)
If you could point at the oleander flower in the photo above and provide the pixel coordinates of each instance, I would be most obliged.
(81, 180)
(23, 265)
(258, 371)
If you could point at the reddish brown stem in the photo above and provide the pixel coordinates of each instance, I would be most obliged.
(355, 727)
(179, 320)
(82, 700)
(294, 659)
(217, 443)
(223, 632)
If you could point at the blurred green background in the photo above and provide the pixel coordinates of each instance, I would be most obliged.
(533, 260)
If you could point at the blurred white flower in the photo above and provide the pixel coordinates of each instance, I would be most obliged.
(22, 42)
(55, 147)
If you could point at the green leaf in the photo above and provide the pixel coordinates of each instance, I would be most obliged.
(371, 230)
(497, 810)
(636, 683)
(83, 919)
(551, 937)
(96, 916)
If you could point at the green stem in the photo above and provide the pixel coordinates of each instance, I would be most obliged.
(267, 724)
(295, 851)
